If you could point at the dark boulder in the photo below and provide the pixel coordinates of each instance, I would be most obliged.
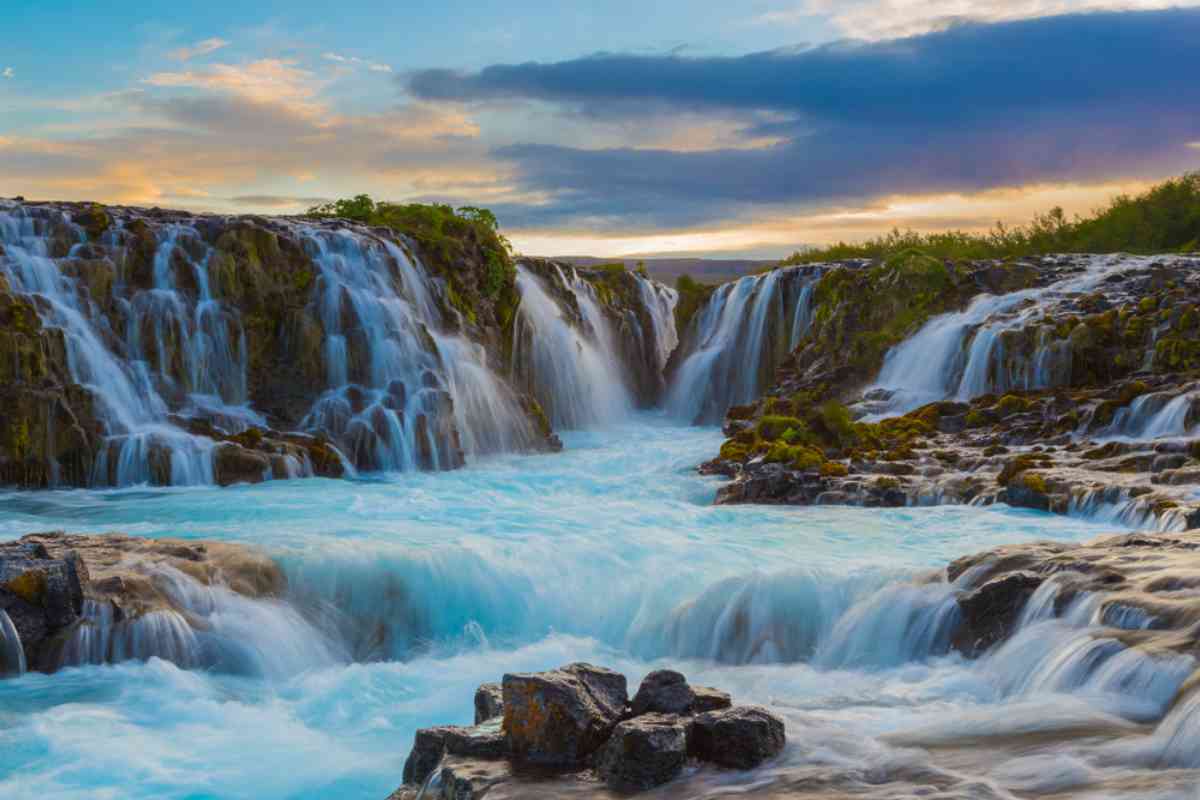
(42, 595)
(741, 737)
(665, 691)
(560, 717)
(644, 752)
(990, 612)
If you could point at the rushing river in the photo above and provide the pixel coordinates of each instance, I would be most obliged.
(408, 591)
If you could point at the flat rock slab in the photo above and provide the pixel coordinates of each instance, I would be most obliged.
(559, 718)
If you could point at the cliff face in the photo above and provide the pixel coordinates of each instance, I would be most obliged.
(165, 347)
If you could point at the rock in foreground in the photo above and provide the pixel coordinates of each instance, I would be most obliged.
(558, 732)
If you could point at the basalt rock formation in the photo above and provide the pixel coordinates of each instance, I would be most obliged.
(152, 346)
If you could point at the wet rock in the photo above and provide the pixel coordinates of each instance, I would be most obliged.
(459, 779)
(990, 612)
(41, 593)
(560, 717)
(235, 464)
(489, 702)
(644, 752)
(431, 744)
(741, 737)
(665, 691)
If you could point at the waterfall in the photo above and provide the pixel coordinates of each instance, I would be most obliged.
(660, 302)
(963, 354)
(402, 394)
(12, 653)
(737, 340)
(569, 365)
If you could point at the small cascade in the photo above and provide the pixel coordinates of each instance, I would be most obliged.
(200, 627)
(997, 344)
(737, 340)
(12, 652)
(569, 364)
(1156, 416)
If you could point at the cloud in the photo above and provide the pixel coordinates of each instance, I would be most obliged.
(268, 80)
(8, 73)
(201, 48)
(1083, 97)
(882, 19)
(356, 61)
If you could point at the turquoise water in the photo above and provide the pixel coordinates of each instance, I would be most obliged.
(420, 586)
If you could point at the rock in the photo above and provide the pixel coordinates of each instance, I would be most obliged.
(741, 737)
(42, 593)
(431, 744)
(489, 702)
(560, 717)
(709, 699)
(665, 691)
(644, 752)
(235, 464)
(459, 779)
(990, 612)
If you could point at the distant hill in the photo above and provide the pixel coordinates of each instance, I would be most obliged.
(705, 270)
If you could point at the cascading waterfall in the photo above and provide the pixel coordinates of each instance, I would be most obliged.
(402, 395)
(963, 354)
(571, 367)
(737, 340)
(12, 653)
(660, 302)
(130, 406)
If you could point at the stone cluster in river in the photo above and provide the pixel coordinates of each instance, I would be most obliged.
(577, 725)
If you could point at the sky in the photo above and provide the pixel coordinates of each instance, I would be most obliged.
(683, 127)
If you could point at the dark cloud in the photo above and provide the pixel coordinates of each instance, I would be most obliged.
(1078, 97)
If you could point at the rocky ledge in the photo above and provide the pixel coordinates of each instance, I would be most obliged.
(78, 599)
(1137, 589)
(1112, 425)
(575, 728)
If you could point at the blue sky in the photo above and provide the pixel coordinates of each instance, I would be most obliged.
(607, 127)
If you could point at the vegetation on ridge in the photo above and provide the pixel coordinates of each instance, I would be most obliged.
(443, 234)
(1164, 219)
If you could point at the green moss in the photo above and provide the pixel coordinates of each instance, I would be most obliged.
(1034, 483)
(772, 427)
(834, 469)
